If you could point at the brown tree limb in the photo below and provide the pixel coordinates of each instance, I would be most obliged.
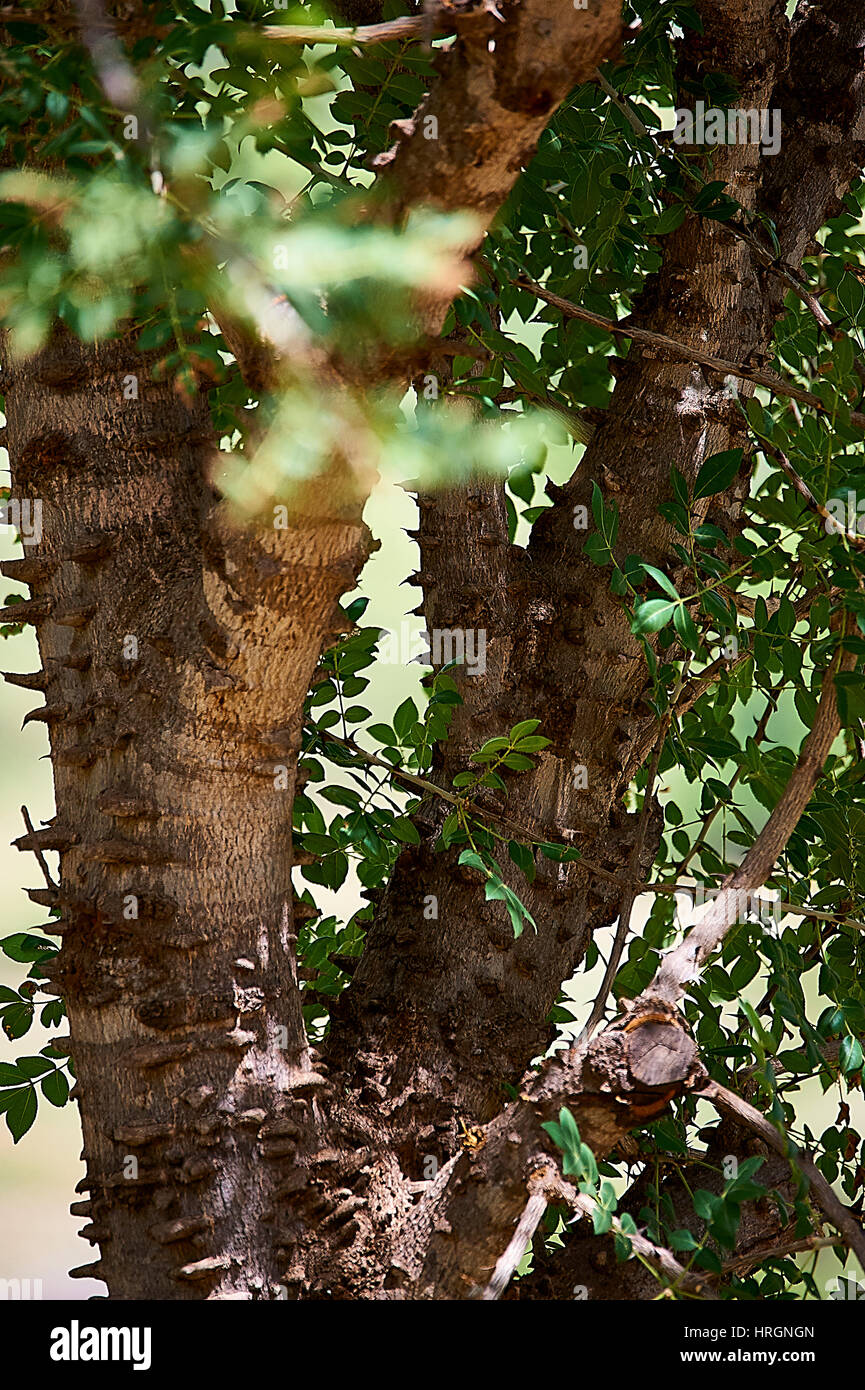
(438, 19)
(574, 1080)
(683, 352)
(836, 1213)
(684, 962)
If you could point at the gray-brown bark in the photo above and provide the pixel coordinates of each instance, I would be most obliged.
(559, 645)
(176, 654)
(448, 1009)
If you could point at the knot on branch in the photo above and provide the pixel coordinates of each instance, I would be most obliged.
(644, 1059)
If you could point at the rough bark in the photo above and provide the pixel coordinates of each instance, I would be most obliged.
(175, 772)
(442, 1012)
(559, 648)
(176, 654)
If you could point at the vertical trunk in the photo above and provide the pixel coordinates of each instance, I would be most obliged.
(456, 998)
(176, 654)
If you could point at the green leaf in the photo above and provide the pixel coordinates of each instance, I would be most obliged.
(850, 1055)
(717, 472)
(405, 719)
(661, 579)
(602, 1221)
(667, 221)
(21, 1112)
(517, 763)
(383, 733)
(686, 627)
(34, 1066)
(652, 615)
(23, 946)
(55, 1088)
(490, 750)
(526, 726)
(405, 831)
(319, 844)
(523, 859)
(474, 861)
(682, 1240)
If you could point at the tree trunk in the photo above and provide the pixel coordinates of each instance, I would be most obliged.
(176, 654)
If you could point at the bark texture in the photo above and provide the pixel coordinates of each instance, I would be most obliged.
(176, 654)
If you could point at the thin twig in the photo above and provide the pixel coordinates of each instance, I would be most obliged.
(40, 857)
(658, 1257)
(685, 961)
(804, 491)
(682, 351)
(517, 1246)
(531, 837)
(839, 1216)
(436, 20)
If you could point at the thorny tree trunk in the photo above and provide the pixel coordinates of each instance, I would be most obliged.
(177, 961)
(175, 659)
(558, 644)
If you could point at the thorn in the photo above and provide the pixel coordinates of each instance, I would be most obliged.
(81, 1208)
(91, 546)
(90, 1271)
(158, 1054)
(279, 1127)
(306, 1081)
(196, 1170)
(142, 1135)
(181, 1229)
(33, 610)
(46, 714)
(45, 897)
(55, 927)
(29, 569)
(57, 837)
(38, 680)
(82, 755)
(81, 662)
(95, 1233)
(278, 1148)
(78, 616)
